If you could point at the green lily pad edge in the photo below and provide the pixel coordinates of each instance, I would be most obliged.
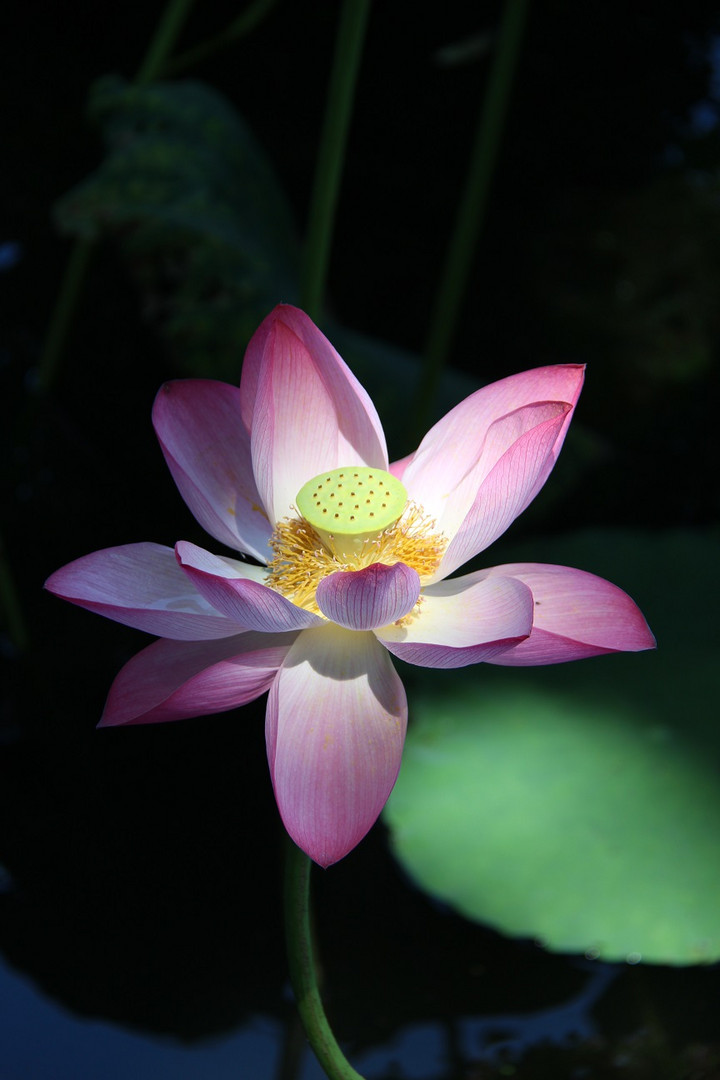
(579, 805)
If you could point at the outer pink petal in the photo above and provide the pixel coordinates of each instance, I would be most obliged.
(576, 615)
(462, 622)
(171, 680)
(335, 729)
(446, 471)
(309, 413)
(509, 487)
(140, 585)
(456, 442)
(240, 594)
(207, 448)
(365, 599)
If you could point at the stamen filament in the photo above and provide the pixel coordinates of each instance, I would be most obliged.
(301, 560)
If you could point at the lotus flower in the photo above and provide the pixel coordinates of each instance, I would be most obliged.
(343, 560)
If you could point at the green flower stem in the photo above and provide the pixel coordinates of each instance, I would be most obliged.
(237, 29)
(471, 210)
(328, 168)
(303, 974)
(166, 34)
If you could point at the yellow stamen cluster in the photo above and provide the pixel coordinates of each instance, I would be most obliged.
(301, 560)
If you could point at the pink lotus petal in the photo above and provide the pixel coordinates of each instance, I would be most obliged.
(309, 413)
(507, 490)
(455, 502)
(463, 621)
(142, 586)
(456, 441)
(576, 615)
(455, 457)
(171, 680)
(397, 468)
(335, 729)
(332, 367)
(365, 599)
(207, 448)
(239, 592)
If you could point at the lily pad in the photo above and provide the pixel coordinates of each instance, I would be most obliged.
(580, 805)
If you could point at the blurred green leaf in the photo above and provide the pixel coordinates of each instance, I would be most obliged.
(580, 804)
(199, 214)
(203, 222)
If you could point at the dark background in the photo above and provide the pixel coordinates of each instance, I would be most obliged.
(144, 866)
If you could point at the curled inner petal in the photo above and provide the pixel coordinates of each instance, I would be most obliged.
(365, 599)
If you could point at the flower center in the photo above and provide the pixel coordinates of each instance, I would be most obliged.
(351, 518)
(347, 507)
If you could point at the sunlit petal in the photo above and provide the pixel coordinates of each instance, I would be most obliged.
(309, 413)
(457, 441)
(461, 622)
(335, 729)
(506, 491)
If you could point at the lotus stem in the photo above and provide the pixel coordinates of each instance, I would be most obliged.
(303, 970)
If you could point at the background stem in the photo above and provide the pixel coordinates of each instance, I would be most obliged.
(471, 210)
(237, 29)
(163, 41)
(331, 155)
